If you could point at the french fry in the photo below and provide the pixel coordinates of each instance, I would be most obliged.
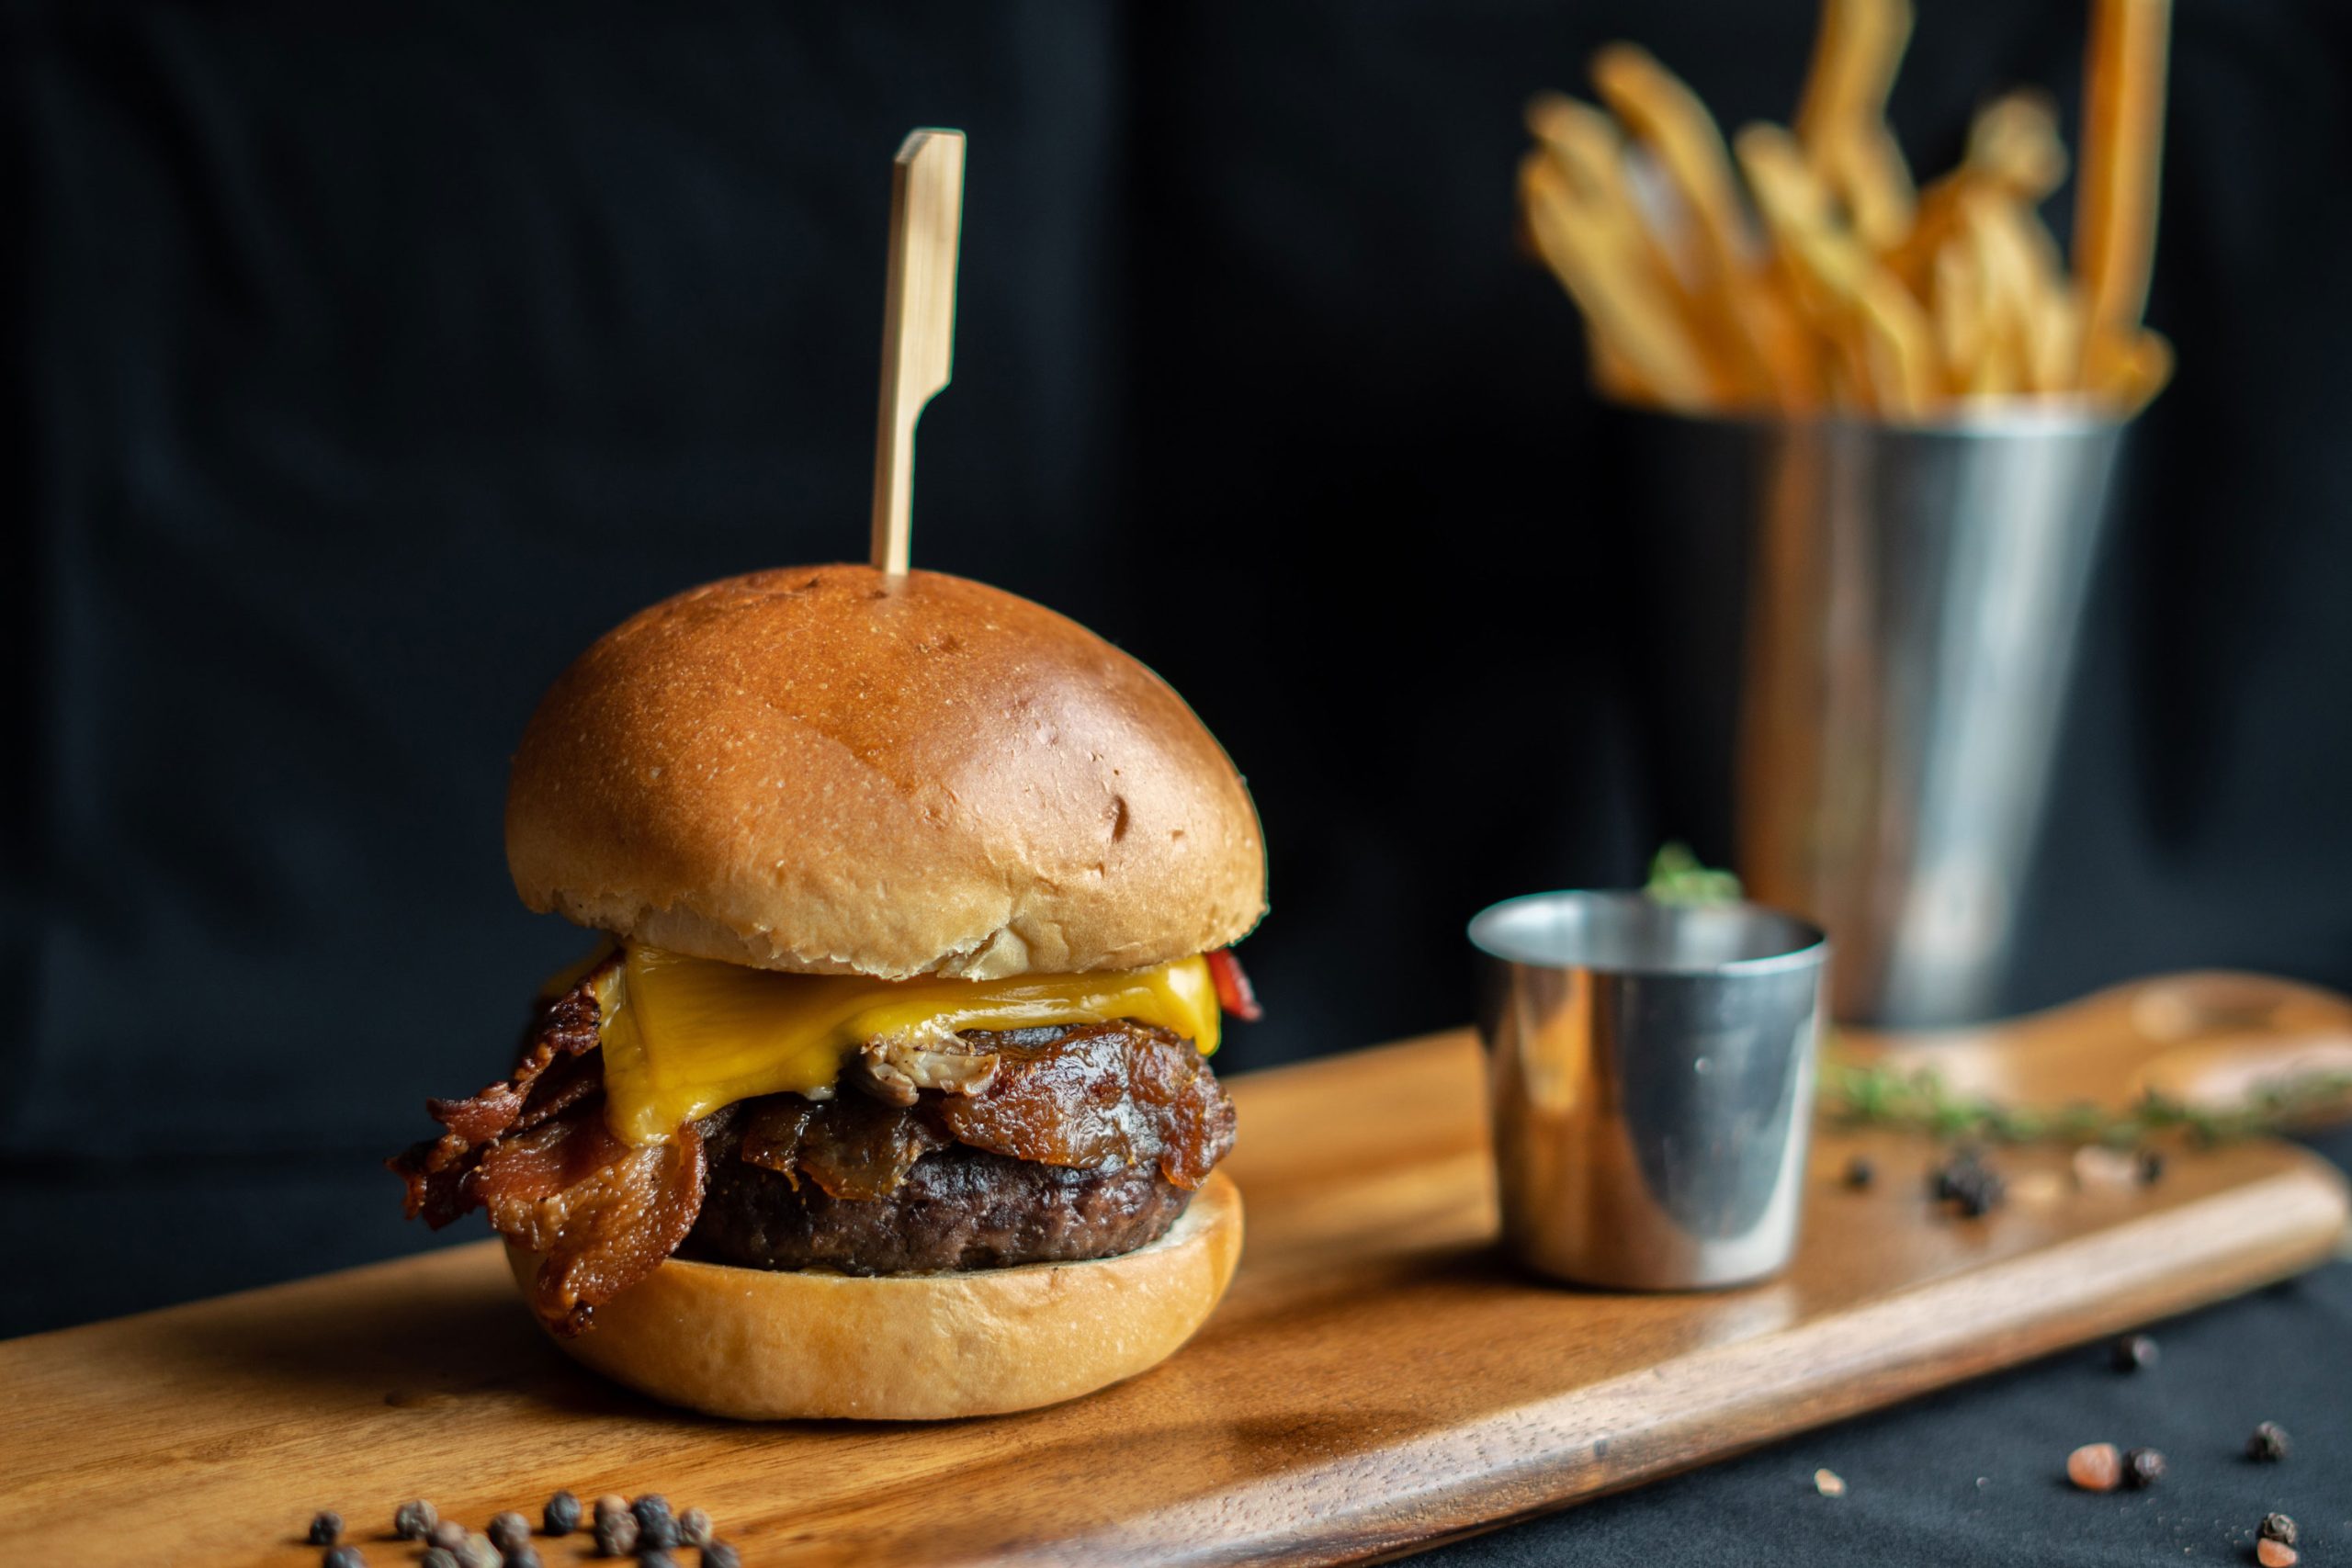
(2115, 200)
(2055, 348)
(1602, 269)
(2013, 143)
(1860, 291)
(2013, 149)
(1789, 347)
(1848, 294)
(1617, 378)
(1841, 119)
(2034, 307)
(1856, 51)
(1998, 372)
(1956, 305)
(1666, 117)
(1868, 173)
(1590, 154)
(2131, 379)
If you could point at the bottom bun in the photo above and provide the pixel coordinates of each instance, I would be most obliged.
(764, 1345)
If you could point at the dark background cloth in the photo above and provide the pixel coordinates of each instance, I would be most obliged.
(363, 362)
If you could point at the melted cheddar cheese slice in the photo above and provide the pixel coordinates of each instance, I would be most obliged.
(685, 1036)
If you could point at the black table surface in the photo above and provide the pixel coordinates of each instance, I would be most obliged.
(1969, 1475)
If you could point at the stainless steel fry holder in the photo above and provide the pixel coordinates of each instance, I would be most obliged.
(1868, 643)
(1651, 1077)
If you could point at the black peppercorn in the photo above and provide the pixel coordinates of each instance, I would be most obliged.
(509, 1530)
(2278, 1528)
(446, 1534)
(616, 1535)
(523, 1556)
(478, 1554)
(657, 1533)
(2269, 1444)
(649, 1508)
(1982, 1194)
(2152, 1167)
(2133, 1353)
(414, 1518)
(344, 1557)
(655, 1557)
(326, 1528)
(2142, 1468)
(561, 1515)
(1965, 1180)
(1944, 1178)
(1861, 1172)
(694, 1527)
(439, 1557)
(610, 1504)
(719, 1554)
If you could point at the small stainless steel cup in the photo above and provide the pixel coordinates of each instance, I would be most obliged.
(1652, 1069)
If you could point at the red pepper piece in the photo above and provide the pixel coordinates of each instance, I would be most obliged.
(1234, 993)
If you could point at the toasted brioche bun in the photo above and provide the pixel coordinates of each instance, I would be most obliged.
(825, 770)
(772, 1346)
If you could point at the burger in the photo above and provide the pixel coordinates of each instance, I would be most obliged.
(885, 1093)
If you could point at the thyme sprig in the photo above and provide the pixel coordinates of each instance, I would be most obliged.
(1919, 1100)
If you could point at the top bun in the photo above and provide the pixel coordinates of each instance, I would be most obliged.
(824, 770)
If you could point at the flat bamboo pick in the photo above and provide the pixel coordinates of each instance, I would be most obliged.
(918, 323)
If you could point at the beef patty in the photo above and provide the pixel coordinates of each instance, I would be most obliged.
(957, 1207)
(1071, 1142)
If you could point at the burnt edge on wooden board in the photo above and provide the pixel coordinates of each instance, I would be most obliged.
(2255, 1256)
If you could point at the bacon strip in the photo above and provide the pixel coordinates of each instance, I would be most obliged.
(566, 1027)
(601, 1213)
(1107, 1094)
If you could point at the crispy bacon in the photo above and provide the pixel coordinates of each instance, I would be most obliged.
(602, 1214)
(558, 1070)
(565, 1030)
(1105, 1094)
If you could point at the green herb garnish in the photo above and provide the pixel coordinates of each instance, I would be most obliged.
(1678, 876)
(1917, 1100)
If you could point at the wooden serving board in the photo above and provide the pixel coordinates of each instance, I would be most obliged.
(1378, 1380)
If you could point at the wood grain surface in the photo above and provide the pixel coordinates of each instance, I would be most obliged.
(1378, 1379)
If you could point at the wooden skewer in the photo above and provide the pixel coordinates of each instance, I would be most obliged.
(918, 323)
